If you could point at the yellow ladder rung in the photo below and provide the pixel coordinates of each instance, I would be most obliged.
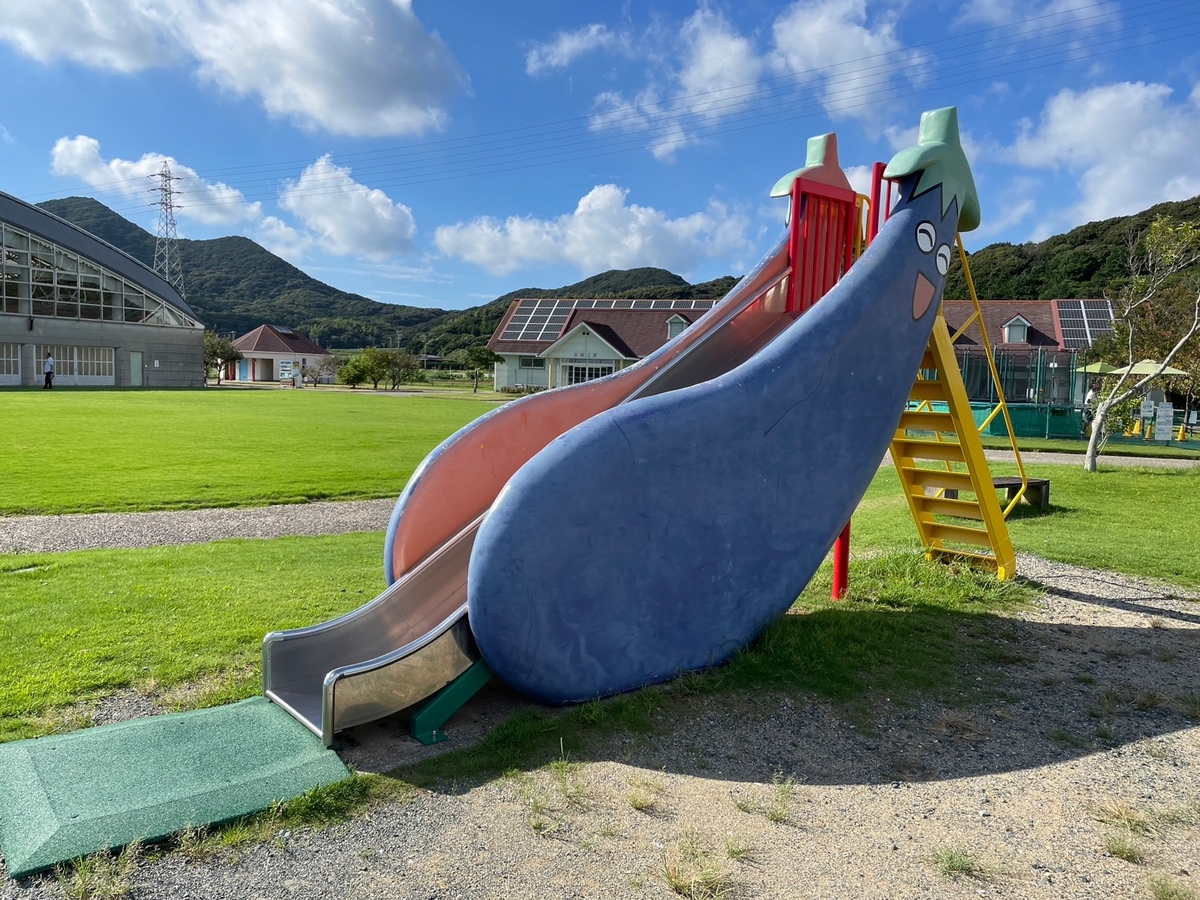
(942, 506)
(960, 534)
(938, 478)
(928, 390)
(940, 450)
(921, 420)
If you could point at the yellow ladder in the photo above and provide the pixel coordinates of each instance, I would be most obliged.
(944, 460)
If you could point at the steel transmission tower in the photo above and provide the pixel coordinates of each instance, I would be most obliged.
(166, 247)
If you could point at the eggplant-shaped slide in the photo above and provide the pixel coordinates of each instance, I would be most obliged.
(666, 533)
(414, 638)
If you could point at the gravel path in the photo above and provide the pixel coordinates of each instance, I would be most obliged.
(48, 534)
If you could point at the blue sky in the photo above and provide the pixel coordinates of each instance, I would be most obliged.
(441, 154)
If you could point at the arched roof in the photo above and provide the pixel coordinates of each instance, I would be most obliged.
(51, 228)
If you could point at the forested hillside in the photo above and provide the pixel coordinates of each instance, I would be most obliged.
(1084, 262)
(235, 285)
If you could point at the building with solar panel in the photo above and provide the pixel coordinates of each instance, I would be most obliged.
(1039, 347)
(552, 343)
(107, 319)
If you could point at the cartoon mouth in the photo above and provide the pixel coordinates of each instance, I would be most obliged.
(923, 292)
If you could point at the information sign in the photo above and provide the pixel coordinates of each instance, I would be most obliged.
(1147, 408)
(1163, 422)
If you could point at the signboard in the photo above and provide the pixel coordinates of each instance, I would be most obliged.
(1163, 422)
(1147, 408)
(285, 369)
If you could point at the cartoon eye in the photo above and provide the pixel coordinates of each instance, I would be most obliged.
(943, 258)
(926, 237)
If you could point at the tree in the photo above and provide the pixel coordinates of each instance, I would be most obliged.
(1152, 311)
(399, 365)
(354, 371)
(374, 364)
(479, 358)
(322, 367)
(217, 352)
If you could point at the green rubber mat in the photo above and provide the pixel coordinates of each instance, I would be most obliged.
(73, 794)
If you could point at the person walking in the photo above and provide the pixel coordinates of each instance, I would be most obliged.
(48, 368)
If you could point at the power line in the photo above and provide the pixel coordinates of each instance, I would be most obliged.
(760, 105)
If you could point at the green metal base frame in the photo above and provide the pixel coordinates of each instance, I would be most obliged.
(426, 723)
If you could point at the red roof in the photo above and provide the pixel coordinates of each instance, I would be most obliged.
(1042, 331)
(277, 339)
(634, 332)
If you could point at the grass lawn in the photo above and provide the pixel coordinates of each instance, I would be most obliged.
(79, 625)
(1139, 521)
(113, 451)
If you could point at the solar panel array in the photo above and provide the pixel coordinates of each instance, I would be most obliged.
(543, 320)
(1083, 321)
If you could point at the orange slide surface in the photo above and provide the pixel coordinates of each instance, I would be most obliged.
(459, 481)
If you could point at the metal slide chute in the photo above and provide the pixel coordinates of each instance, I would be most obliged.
(413, 639)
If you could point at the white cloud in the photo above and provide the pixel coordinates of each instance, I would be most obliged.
(1032, 14)
(716, 75)
(832, 44)
(566, 46)
(1008, 207)
(364, 67)
(860, 178)
(6, 136)
(284, 240)
(720, 67)
(199, 200)
(350, 218)
(1129, 146)
(104, 34)
(602, 233)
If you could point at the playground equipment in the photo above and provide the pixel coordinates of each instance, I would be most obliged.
(596, 538)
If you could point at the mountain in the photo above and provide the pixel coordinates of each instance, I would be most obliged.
(233, 284)
(236, 285)
(1085, 262)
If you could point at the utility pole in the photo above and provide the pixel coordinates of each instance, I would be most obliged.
(166, 246)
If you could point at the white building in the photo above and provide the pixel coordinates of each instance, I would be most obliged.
(551, 343)
(273, 353)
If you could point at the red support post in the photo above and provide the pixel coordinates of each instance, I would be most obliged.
(841, 564)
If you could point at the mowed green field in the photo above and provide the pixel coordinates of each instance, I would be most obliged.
(117, 451)
(1142, 521)
(77, 626)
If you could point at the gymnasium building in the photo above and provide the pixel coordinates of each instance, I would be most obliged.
(107, 319)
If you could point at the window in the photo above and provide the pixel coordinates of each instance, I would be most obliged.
(676, 325)
(1016, 331)
(41, 279)
(580, 374)
(532, 362)
(10, 359)
(81, 362)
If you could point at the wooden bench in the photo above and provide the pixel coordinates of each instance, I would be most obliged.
(1037, 493)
